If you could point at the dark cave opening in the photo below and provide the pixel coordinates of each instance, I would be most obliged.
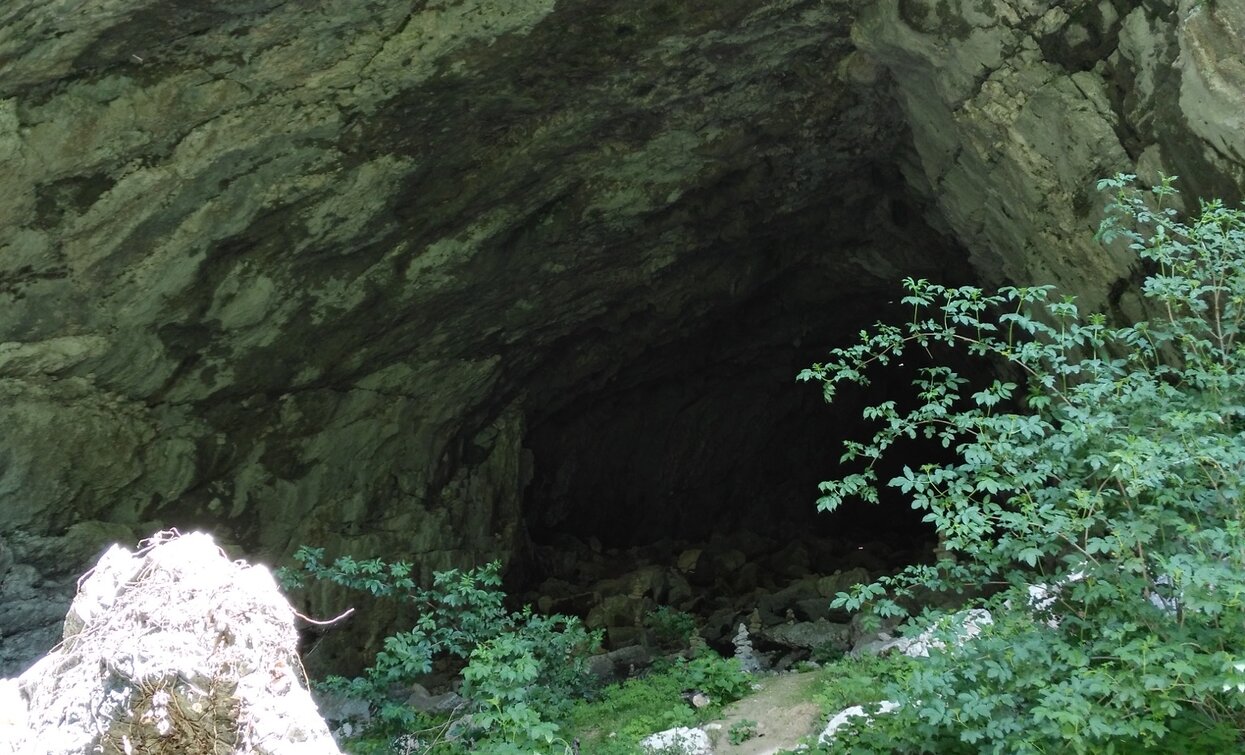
(703, 428)
(715, 442)
(690, 479)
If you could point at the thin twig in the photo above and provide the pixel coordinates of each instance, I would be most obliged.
(330, 622)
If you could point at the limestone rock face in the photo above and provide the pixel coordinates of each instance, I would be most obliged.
(368, 275)
(281, 262)
(172, 649)
(1017, 107)
(37, 583)
(305, 272)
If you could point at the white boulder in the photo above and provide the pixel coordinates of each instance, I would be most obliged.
(171, 649)
(840, 719)
(680, 740)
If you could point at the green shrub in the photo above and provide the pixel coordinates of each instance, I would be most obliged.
(827, 652)
(1112, 482)
(722, 679)
(671, 627)
(631, 710)
(741, 731)
(627, 712)
(522, 669)
(858, 681)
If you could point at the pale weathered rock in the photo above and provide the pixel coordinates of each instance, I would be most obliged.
(619, 664)
(37, 584)
(442, 704)
(618, 611)
(744, 653)
(173, 649)
(681, 740)
(13, 725)
(1212, 79)
(959, 628)
(840, 719)
(831, 585)
(343, 714)
(31, 612)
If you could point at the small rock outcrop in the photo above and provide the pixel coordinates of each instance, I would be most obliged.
(681, 740)
(169, 649)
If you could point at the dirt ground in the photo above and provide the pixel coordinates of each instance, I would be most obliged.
(783, 711)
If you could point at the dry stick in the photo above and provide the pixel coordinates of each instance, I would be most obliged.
(330, 622)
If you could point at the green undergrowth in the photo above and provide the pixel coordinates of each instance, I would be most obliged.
(1089, 496)
(524, 676)
(628, 711)
(860, 681)
(622, 714)
(1095, 489)
(613, 722)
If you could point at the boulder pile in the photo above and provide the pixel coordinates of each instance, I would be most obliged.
(779, 589)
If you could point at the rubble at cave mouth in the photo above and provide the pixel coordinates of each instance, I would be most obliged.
(733, 577)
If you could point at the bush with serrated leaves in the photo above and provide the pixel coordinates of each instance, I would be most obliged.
(522, 669)
(671, 627)
(1095, 497)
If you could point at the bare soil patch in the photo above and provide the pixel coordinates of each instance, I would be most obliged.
(784, 711)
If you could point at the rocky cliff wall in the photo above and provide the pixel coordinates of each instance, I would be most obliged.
(1018, 106)
(307, 272)
(290, 270)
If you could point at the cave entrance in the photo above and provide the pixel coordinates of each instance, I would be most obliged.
(690, 478)
(711, 442)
